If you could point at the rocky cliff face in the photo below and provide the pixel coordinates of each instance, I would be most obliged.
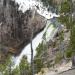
(57, 45)
(16, 27)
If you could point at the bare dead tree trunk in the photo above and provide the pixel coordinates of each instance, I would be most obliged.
(32, 62)
(73, 61)
(32, 59)
(10, 69)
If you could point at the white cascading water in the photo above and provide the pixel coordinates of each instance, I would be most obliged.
(30, 4)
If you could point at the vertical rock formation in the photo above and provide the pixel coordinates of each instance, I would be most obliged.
(15, 27)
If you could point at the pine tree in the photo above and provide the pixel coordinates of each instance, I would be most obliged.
(24, 66)
(67, 19)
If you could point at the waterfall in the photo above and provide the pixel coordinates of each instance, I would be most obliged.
(37, 5)
(42, 10)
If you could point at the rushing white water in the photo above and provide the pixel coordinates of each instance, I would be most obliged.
(25, 5)
(38, 39)
(35, 4)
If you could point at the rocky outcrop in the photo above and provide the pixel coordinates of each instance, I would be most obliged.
(16, 27)
(57, 45)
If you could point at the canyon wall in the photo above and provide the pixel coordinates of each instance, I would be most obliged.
(16, 27)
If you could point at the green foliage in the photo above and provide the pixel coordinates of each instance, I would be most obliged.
(38, 64)
(6, 72)
(16, 71)
(47, 2)
(44, 36)
(59, 57)
(5, 64)
(65, 17)
(41, 47)
(24, 63)
(38, 60)
(66, 20)
(72, 38)
(65, 7)
(22, 69)
(68, 53)
(24, 66)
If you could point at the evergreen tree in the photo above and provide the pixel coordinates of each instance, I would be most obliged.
(4, 67)
(24, 66)
(67, 19)
(40, 57)
(16, 71)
